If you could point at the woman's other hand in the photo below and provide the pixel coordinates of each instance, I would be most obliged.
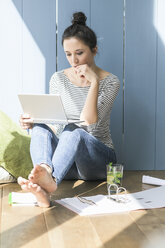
(26, 121)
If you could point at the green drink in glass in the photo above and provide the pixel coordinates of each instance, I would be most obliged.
(114, 175)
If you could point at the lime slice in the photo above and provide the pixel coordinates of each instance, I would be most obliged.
(110, 179)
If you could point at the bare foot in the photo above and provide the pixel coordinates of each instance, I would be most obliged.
(42, 176)
(41, 195)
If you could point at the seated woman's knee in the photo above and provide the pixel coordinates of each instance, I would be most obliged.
(39, 128)
(77, 133)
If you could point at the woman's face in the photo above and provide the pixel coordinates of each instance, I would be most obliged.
(78, 53)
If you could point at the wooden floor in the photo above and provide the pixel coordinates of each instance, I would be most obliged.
(59, 227)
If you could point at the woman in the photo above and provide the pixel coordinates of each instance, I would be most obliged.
(76, 151)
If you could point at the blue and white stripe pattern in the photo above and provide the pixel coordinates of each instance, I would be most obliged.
(74, 97)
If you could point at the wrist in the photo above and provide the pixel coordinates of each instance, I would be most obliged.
(95, 82)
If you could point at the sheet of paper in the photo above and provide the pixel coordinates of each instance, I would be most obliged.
(152, 180)
(22, 199)
(152, 198)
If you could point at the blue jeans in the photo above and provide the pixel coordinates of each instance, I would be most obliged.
(75, 155)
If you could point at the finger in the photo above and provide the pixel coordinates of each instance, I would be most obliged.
(25, 119)
(78, 68)
(28, 120)
(26, 127)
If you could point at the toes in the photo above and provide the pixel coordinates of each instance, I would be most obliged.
(24, 187)
(19, 180)
(34, 187)
(22, 180)
(30, 185)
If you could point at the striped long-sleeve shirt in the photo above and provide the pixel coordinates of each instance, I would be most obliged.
(73, 98)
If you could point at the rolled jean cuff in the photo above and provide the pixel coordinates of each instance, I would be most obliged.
(56, 179)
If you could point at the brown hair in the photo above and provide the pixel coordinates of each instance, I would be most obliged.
(81, 31)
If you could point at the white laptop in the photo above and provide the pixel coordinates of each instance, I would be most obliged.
(45, 108)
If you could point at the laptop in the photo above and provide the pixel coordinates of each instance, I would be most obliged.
(45, 108)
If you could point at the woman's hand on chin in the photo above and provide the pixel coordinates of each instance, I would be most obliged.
(86, 72)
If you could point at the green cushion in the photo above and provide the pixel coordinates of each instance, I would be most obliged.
(14, 148)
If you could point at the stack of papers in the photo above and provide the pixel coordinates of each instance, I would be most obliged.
(147, 199)
(153, 180)
(22, 199)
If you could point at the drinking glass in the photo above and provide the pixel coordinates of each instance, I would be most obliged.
(114, 177)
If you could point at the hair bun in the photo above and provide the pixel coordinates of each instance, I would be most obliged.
(79, 18)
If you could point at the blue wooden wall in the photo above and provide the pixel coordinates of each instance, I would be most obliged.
(144, 85)
(131, 43)
(140, 84)
(160, 88)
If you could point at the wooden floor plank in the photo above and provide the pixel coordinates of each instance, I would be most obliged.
(66, 229)
(118, 230)
(152, 223)
(22, 226)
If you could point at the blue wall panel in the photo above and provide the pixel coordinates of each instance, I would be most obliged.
(107, 21)
(140, 85)
(160, 123)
